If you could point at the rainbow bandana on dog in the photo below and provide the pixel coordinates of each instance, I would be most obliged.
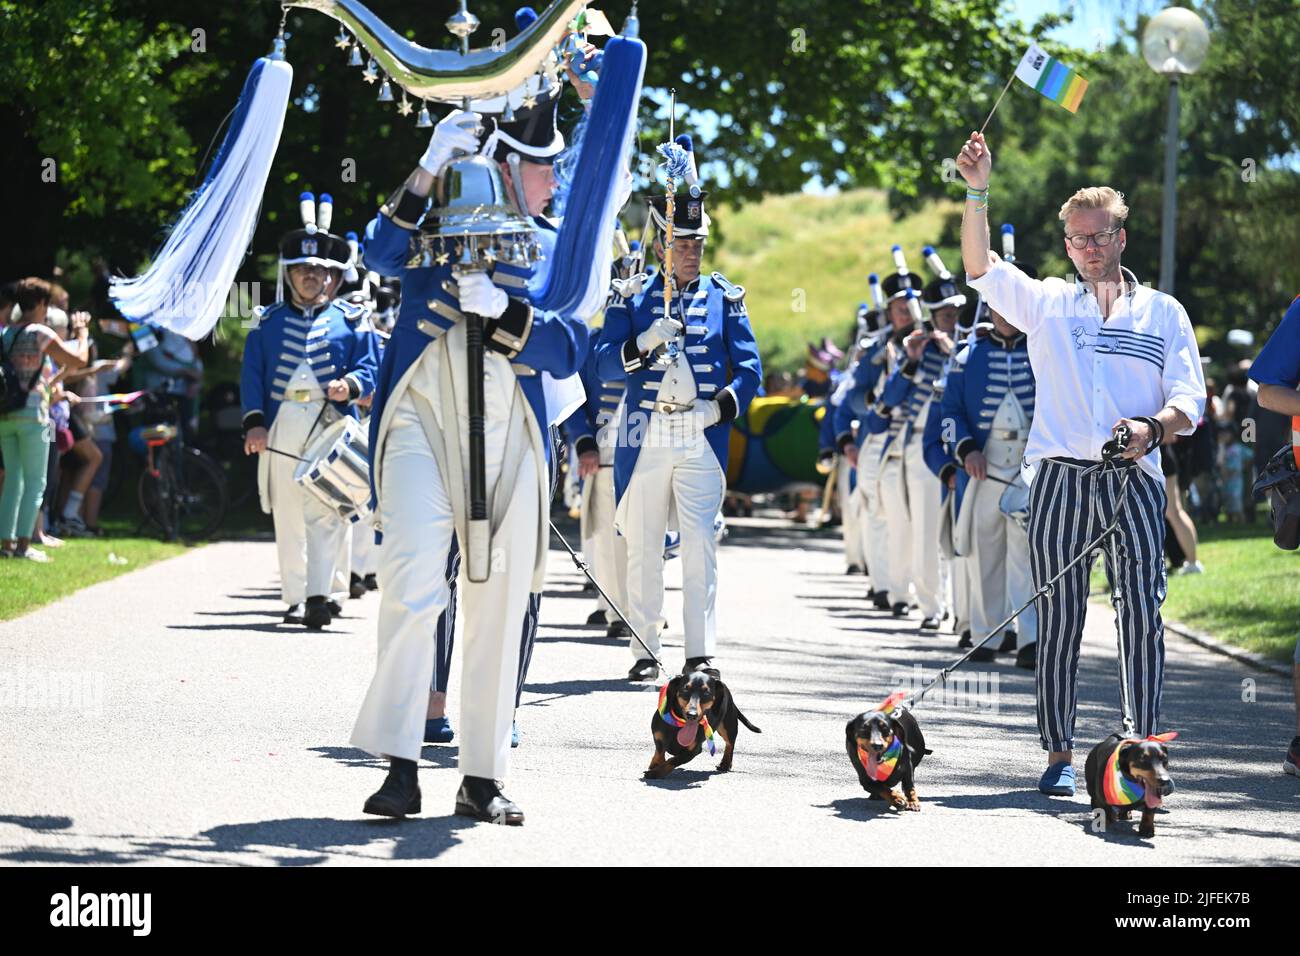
(1119, 790)
(882, 769)
(686, 729)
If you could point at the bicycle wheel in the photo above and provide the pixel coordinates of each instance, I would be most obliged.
(188, 498)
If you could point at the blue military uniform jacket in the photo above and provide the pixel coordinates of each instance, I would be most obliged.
(533, 340)
(865, 374)
(982, 375)
(601, 407)
(332, 338)
(720, 348)
(904, 395)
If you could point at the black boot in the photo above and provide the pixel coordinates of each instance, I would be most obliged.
(317, 614)
(335, 608)
(900, 609)
(597, 617)
(965, 641)
(372, 583)
(482, 799)
(293, 615)
(1027, 657)
(983, 654)
(879, 600)
(400, 793)
(356, 586)
(1008, 645)
(618, 629)
(643, 670)
(701, 664)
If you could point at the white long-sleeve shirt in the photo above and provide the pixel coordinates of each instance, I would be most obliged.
(1093, 372)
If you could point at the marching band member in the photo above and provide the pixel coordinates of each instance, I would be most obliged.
(1106, 352)
(830, 461)
(863, 452)
(989, 407)
(689, 374)
(307, 360)
(908, 489)
(592, 430)
(419, 437)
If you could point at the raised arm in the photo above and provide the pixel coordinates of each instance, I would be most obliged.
(975, 164)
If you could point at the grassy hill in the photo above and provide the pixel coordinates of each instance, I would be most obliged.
(804, 260)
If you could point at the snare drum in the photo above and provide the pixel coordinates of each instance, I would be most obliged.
(336, 469)
(1014, 502)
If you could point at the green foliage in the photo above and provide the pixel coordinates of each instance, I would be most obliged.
(804, 260)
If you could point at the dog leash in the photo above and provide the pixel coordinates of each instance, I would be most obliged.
(585, 569)
(1110, 457)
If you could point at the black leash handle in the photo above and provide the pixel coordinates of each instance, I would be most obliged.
(585, 569)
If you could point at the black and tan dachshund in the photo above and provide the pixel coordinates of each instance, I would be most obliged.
(694, 710)
(1123, 772)
(885, 747)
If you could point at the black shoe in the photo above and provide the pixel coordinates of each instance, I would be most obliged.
(965, 641)
(900, 609)
(317, 614)
(879, 600)
(854, 569)
(335, 608)
(1008, 644)
(356, 587)
(293, 615)
(618, 629)
(372, 583)
(1027, 657)
(597, 617)
(930, 624)
(400, 793)
(482, 799)
(644, 670)
(663, 625)
(705, 664)
(983, 654)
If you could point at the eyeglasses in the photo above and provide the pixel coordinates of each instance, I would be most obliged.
(1102, 239)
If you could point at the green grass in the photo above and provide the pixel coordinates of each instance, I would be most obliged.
(1249, 594)
(27, 585)
(804, 260)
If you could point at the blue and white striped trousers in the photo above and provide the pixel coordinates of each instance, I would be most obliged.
(1071, 502)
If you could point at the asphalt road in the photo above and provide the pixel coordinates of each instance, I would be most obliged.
(166, 717)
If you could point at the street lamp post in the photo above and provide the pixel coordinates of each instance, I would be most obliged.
(1174, 44)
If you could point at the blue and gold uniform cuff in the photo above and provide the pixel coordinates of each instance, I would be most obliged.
(404, 207)
(633, 361)
(254, 419)
(964, 448)
(585, 444)
(509, 333)
(727, 405)
(947, 471)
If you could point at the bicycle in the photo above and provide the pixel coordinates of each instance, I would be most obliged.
(182, 492)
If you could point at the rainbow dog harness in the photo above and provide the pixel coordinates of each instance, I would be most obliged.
(672, 720)
(883, 769)
(1119, 790)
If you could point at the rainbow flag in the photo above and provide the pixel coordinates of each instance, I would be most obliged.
(1051, 77)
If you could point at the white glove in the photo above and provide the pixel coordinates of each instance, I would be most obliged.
(663, 330)
(708, 412)
(479, 296)
(454, 133)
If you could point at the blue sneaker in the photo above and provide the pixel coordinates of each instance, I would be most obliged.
(437, 730)
(514, 735)
(1057, 780)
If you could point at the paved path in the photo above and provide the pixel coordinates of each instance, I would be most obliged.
(195, 730)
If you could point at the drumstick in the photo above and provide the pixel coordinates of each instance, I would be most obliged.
(285, 453)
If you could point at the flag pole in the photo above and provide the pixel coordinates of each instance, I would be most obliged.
(999, 100)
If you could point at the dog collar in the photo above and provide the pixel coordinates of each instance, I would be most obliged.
(672, 720)
(882, 769)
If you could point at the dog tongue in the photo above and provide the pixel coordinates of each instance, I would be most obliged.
(686, 735)
(872, 765)
(1152, 798)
